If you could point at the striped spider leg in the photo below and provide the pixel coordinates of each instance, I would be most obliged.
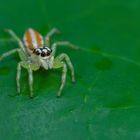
(36, 52)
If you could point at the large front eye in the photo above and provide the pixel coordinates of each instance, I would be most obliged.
(43, 54)
(49, 52)
(37, 52)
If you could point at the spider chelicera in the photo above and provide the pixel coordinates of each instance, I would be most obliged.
(36, 52)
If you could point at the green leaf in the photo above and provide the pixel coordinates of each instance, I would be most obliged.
(104, 104)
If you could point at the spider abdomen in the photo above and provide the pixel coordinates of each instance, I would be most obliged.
(32, 39)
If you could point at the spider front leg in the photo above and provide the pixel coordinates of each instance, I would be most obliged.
(29, 67)
(30, 74)
(18, 77)
(65, 57)
(59, 64)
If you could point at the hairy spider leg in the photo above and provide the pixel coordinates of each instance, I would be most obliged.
(8, 53)
(49, 34)
(21, 45)
(30, 74)
(61, 64)
(18, 76)
(62, 43)
(63, 79)
(65, 57)
(18, 66)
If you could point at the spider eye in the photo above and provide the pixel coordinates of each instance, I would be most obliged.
(37, 52)
(43, 54)
(49, 52)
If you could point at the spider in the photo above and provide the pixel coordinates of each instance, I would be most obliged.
(36, 52)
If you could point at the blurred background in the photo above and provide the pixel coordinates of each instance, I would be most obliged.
(104, 104)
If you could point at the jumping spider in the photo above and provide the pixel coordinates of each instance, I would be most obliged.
(36, 52)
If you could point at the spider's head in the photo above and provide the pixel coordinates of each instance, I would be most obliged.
(43, 52)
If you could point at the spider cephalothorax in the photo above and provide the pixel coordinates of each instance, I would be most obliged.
(34, 55)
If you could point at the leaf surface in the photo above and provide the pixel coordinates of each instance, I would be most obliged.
(104, 103)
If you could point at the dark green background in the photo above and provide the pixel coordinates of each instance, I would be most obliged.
(104, 104)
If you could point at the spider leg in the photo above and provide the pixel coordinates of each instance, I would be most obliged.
(30, 74)
(8, 53)
(18, 76)
(60, 64)
(69, 63)
(62, 43)
(63, 79)
(30, 67)
(49, 34)
(16, 38)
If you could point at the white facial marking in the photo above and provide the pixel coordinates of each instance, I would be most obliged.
(38, 50)
(45, 50)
